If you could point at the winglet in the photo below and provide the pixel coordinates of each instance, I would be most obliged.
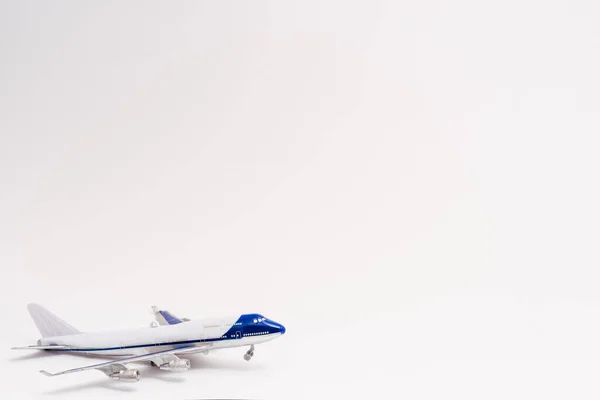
(46, 373)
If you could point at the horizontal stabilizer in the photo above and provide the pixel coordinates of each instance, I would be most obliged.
(50, 347)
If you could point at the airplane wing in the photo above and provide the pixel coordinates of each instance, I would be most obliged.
(163, 317)
(116, 366)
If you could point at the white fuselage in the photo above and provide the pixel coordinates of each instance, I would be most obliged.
(207, 335)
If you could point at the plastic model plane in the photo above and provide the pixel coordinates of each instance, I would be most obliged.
(160, 344)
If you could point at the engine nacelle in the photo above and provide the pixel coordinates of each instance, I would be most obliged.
(176, 365)
(126, 375)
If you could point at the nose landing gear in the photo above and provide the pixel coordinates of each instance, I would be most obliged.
(249, 353)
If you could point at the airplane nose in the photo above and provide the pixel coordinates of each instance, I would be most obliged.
(275, 327)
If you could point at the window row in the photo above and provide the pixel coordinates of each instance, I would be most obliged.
(256, 333)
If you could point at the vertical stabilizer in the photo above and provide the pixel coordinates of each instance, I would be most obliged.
(163, 317)
(49, 324)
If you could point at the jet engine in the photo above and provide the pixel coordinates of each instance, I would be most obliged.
(126, 375)
(176, 365)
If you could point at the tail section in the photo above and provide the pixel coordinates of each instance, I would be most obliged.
(49, 324)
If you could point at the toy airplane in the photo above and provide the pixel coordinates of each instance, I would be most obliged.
(160, 344)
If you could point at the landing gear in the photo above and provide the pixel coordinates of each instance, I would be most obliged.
(249, 353)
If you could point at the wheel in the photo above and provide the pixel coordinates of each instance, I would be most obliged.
(247, 357)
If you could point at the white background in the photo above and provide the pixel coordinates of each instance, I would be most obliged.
(410, 187)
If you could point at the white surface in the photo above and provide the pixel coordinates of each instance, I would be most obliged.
(411, 188)
(48, 324)
(145, 339)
